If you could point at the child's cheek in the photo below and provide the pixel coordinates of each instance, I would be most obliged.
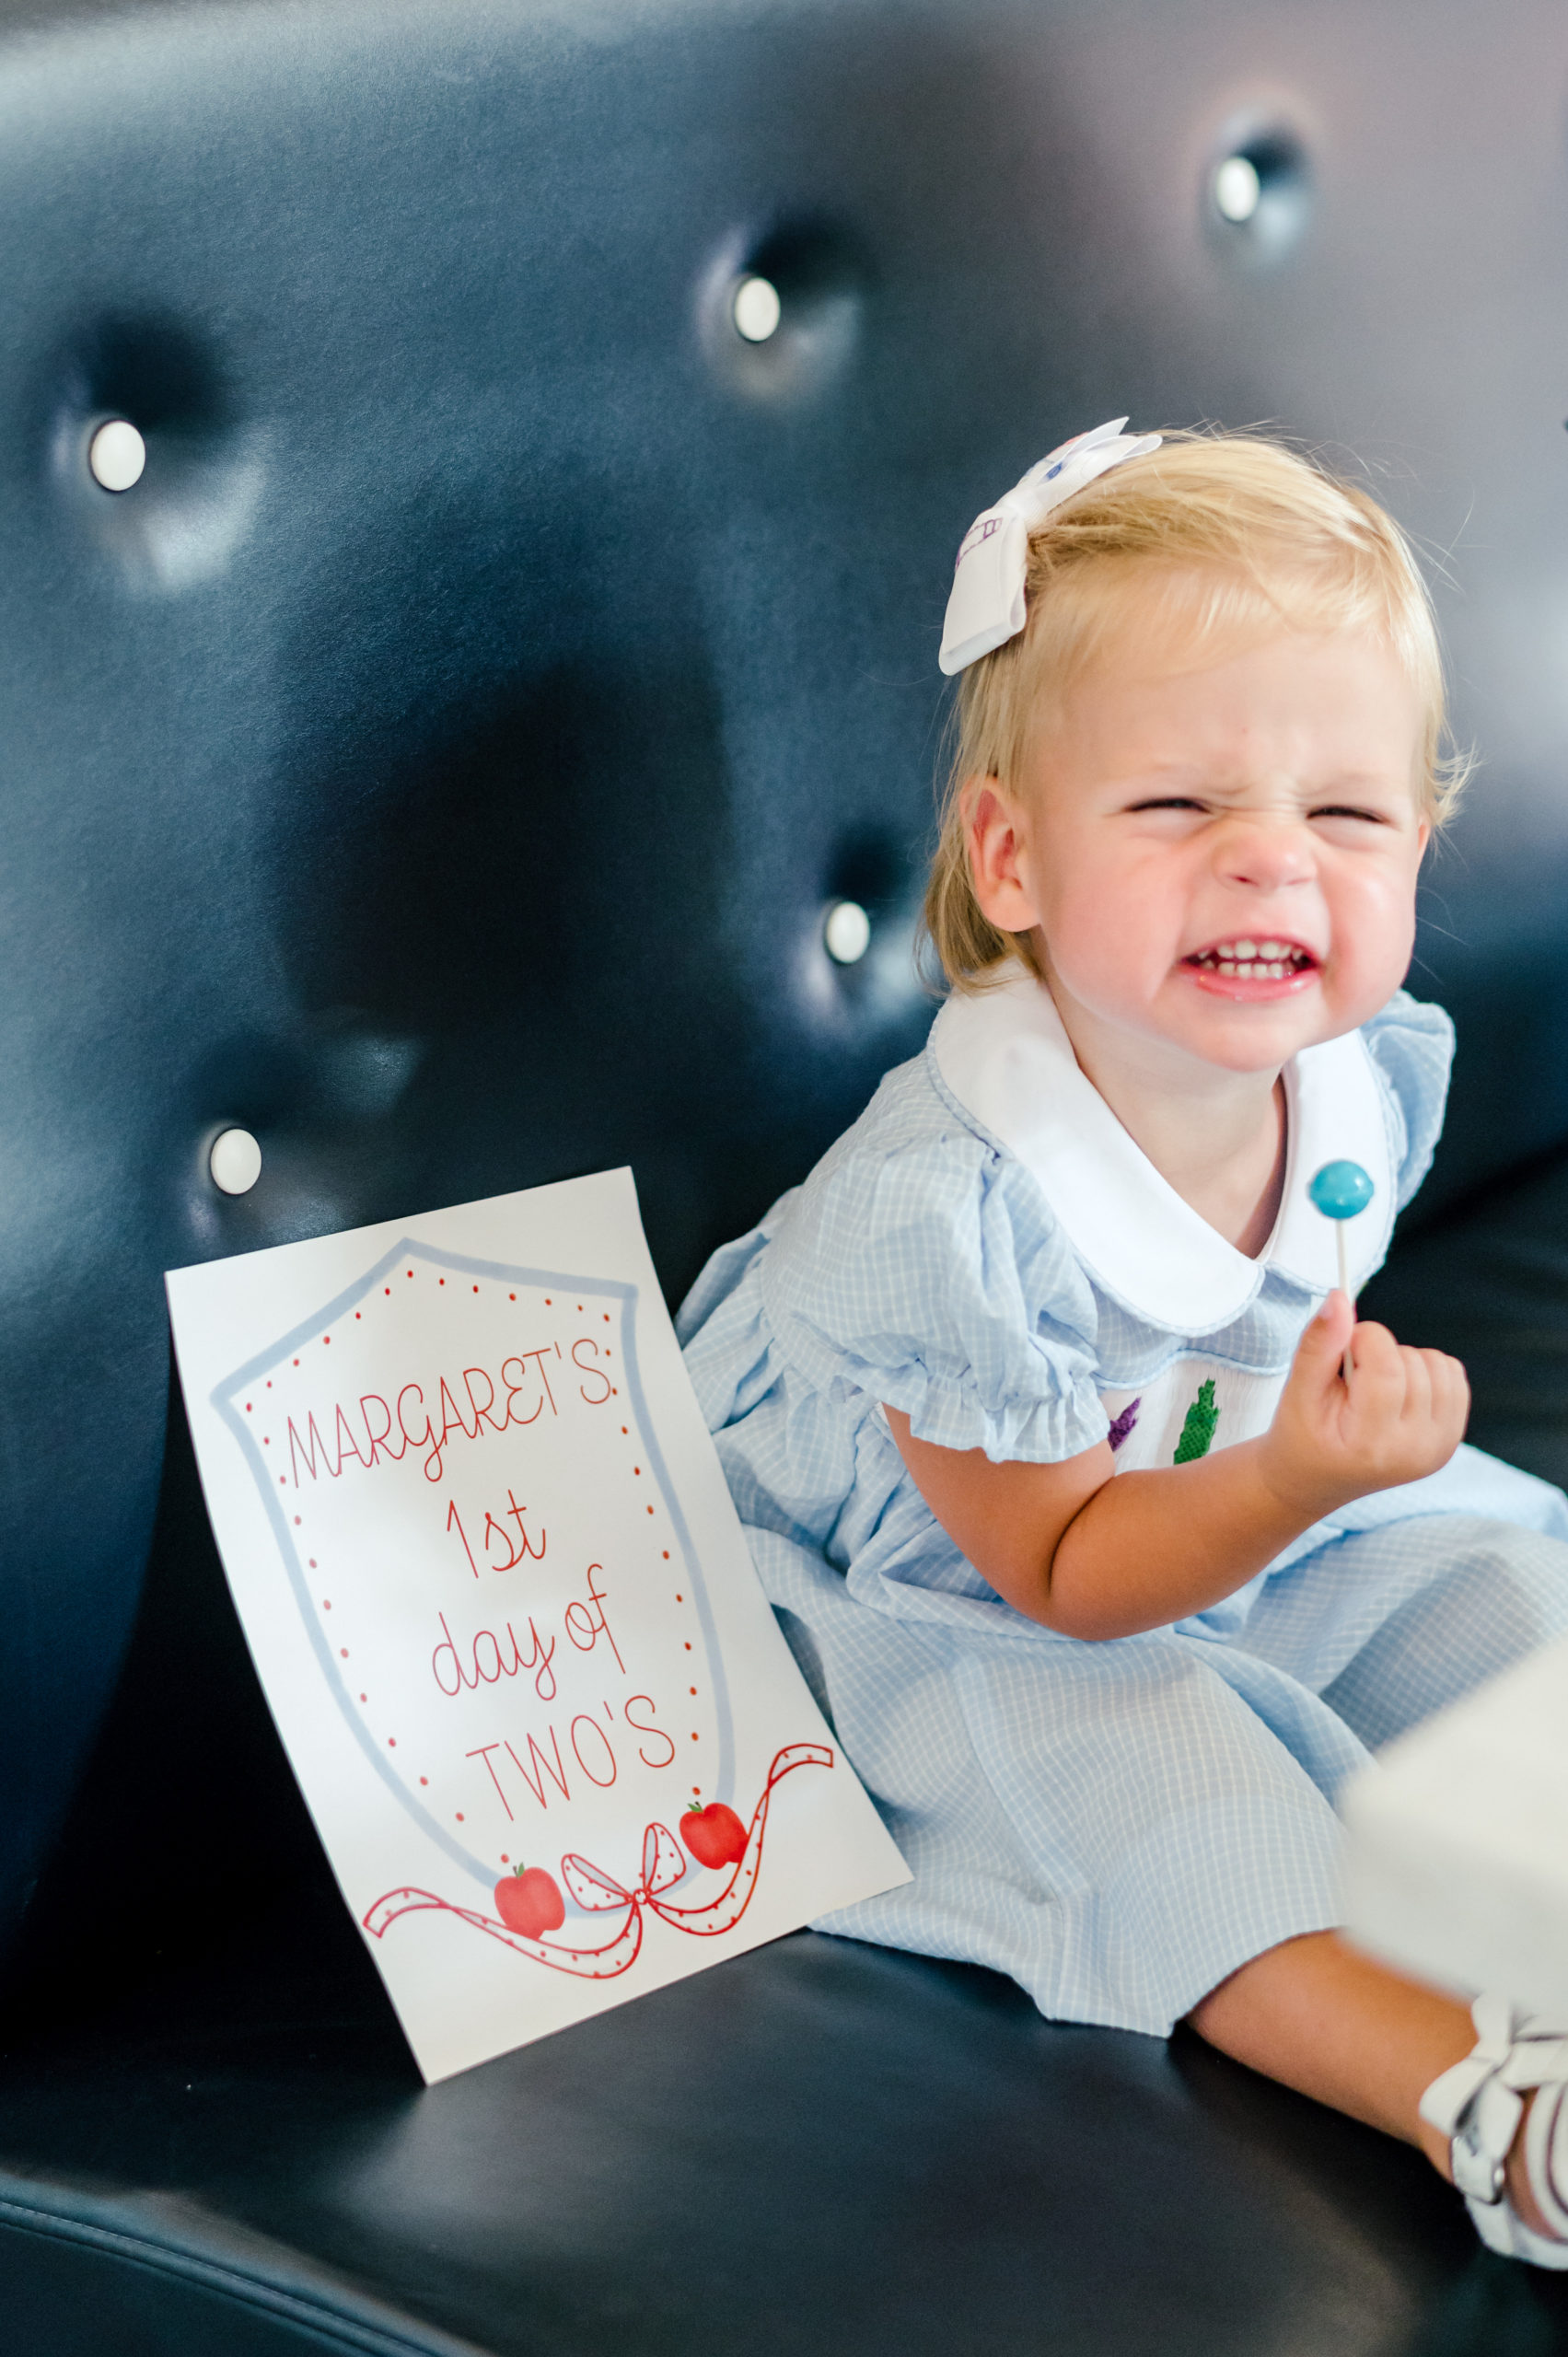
(1374, 933)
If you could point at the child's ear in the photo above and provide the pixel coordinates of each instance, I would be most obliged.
(996, 838)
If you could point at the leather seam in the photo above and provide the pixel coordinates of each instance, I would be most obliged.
(229, 2281)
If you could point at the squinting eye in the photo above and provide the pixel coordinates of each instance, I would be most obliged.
(1343, 810)
(1167, 802)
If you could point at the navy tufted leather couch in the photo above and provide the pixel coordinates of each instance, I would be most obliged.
(439, 764)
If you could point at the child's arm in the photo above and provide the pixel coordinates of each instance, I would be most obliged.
(1096, 1557)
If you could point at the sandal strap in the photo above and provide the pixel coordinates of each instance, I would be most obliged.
(1473, 2106)
(1546, 2155)
(1536, 2060)
(1477, 2103)
(1501, 2229)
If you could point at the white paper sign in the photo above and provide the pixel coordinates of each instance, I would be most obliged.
(503, 1609)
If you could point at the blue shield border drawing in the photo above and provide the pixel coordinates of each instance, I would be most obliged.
(624, 1296)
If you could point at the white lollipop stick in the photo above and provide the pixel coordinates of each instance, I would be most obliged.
(1339, 1190)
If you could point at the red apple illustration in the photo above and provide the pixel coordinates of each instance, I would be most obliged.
(715, 1835)
(530, 1902)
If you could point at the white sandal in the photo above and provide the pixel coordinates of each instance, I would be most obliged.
(1477, 2106)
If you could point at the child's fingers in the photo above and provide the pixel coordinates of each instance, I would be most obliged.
(1398, 1414)
(1450, 1389)
(1322, 1346)
(1418, 1407)
(1376, 1375)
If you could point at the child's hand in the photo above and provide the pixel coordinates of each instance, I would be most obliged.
(1400, 1415)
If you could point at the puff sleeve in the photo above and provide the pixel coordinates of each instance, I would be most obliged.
(931, 1277)
(1411, 1044)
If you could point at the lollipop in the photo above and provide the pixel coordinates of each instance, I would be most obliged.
(1339, 1191)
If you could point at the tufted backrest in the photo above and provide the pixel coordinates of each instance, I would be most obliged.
(441, 761)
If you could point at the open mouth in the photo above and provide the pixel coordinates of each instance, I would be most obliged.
(1247, 960)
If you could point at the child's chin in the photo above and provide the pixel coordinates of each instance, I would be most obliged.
(1251, 1035)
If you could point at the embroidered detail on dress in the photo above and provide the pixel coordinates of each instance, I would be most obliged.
(1198, 1429)
(1123, 1425)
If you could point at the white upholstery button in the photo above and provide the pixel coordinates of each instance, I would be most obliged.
(117, 454)
(235, 1162)
(1239, 188)
(757, 310)
(846, 935)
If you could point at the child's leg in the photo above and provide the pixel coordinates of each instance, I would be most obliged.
(1334, 2024)
(1391, 1624)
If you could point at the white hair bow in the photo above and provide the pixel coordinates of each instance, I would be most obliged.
(986, 607)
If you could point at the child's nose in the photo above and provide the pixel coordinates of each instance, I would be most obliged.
(1267, 855)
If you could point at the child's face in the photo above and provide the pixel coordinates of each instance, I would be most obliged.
(1216, 849)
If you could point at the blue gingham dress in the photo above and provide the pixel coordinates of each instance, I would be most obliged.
(1119, 1825)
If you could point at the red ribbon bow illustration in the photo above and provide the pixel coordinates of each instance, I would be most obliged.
(597, 1892)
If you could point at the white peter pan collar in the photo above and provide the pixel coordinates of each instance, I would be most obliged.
(1006, 1056)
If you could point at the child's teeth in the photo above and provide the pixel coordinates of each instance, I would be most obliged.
(1252, 961)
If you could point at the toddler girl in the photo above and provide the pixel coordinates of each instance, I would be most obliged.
(1109, 1541)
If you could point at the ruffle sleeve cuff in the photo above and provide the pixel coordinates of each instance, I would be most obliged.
(931, 1281)
(1411, 1044)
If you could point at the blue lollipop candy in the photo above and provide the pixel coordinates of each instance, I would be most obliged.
(1339, 1191)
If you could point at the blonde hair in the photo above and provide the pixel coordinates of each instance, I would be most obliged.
(1239, 533)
